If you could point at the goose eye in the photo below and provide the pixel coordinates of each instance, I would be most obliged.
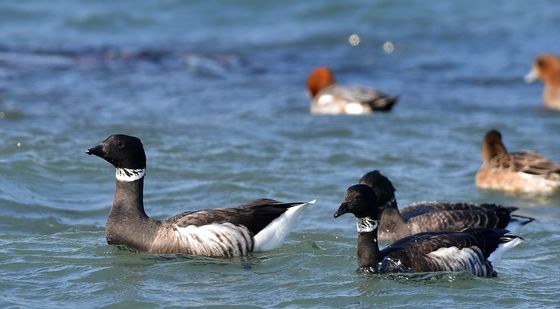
(540, 63)
(120, 145)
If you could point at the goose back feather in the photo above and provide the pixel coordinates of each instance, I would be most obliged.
(435, 216)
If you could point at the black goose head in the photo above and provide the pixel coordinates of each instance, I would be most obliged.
(123, 151)
(381, 185)
(361, 201)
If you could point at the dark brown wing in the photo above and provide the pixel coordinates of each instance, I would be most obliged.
(529, 162)
(255, 215)
(426, 207)
(423, 243)
(437, 216)
(259, 202)
(414, 252)
(371, 96)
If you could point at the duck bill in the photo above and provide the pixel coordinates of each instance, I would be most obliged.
(96, 151)
(531, 76)
(341, 210)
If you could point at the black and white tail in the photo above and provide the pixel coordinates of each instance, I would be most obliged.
(517, 222)
(273, 235)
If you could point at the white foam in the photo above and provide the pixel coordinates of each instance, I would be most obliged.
(273, 235)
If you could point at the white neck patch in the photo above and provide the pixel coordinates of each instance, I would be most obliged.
(129, 174)
(365, 225)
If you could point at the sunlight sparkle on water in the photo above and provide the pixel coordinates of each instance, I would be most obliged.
(354, 39)
(388, 47)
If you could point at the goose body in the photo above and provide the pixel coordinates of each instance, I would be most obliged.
(259, 225)
(327, 97)
(470, 251)
(436, 216)
(517, 172)
(227, 231)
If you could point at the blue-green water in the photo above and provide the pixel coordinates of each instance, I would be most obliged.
(216, 92)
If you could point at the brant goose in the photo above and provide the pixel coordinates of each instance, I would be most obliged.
(547, 69)
(259, 225)
(470, 251)
(435, 216)
(518, 172)
(329, 98)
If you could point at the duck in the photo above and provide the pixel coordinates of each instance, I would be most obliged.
(435, 216)
(473, 251)
(327, 97)
(546, 68)
(259, 225)
(525, 172)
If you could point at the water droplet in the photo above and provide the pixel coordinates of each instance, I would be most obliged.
(388, 47)
(18, 144)
(354, 39)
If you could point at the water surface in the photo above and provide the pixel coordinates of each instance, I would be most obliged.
(216, 93)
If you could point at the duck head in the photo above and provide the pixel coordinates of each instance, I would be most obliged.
(492, 145)
(546, 68)
(318, 79)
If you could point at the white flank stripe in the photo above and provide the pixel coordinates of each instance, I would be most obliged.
(497, 254)
(273, 235)
(216, 239)
(453, 259)
(129, 174)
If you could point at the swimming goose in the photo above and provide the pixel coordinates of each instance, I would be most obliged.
(547, 69)
(259, 225)
(518, 172)
(435, 216)
(329, 98)
(469, 251)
